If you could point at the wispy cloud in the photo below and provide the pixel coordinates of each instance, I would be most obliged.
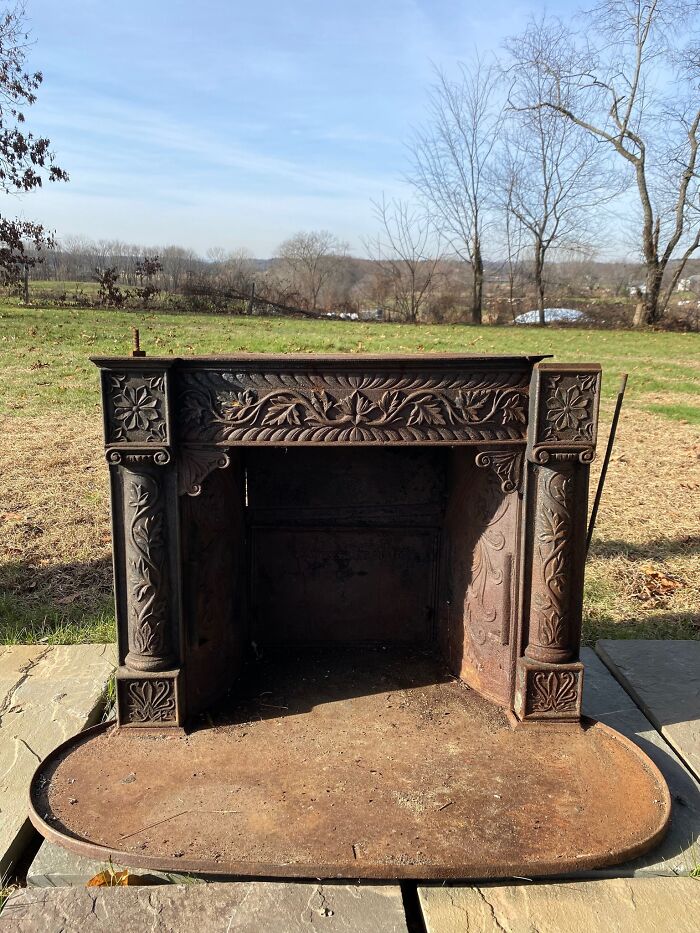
(228, 123)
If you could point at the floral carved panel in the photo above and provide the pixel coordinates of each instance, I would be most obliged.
(566, 421)
(226, 407)
(135, 408)
(550, 613)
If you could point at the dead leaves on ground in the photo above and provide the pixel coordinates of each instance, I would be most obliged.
(653, 588)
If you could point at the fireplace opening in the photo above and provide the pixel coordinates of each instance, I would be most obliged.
(289, 552)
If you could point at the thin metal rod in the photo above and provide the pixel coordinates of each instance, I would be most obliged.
(137, 351)
(606, 459)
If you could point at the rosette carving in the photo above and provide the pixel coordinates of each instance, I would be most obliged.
(564, 425)
(135, 408)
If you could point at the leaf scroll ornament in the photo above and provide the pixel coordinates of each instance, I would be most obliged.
(333, 407)
(146, 565)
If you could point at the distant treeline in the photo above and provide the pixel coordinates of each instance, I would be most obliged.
(313, 274)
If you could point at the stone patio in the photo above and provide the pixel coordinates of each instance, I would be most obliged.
(663, 678)
(243, 906)
(620, 905)
(63, 689)
(47, 695)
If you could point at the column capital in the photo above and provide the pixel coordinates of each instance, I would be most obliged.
(564, 400)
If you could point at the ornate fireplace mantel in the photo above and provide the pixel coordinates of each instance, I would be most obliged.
(169, 423)
(315, 558)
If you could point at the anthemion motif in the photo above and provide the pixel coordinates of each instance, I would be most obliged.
(553, 692)
(148, 701)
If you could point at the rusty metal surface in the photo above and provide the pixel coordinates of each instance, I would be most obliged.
(417, 499)
(372, 764)
(344, 544)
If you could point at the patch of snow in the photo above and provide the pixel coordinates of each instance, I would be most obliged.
(552, 316)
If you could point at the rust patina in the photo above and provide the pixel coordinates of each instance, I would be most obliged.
(349, 596)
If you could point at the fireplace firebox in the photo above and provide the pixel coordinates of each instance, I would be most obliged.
(349, 595)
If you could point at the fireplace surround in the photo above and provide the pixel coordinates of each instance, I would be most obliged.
(369, 525)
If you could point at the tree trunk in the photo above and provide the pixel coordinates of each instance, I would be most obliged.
(650, 312)
(539, 280)
(477, 283)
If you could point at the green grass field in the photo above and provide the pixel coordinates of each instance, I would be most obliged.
(55, 576)
(45, 351)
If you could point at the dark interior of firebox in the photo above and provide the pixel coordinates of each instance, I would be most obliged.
(290, 550)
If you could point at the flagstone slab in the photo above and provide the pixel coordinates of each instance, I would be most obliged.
(663, 677)
(246, 907)
(55, 867)
(616, 905)
(47, 695)
(605, 699)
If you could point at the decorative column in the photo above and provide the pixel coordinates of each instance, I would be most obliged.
(138, 439)
(561, 445)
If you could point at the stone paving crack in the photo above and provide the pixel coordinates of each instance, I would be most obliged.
(491, 909)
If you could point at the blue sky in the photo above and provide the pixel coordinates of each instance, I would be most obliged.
(236, 124)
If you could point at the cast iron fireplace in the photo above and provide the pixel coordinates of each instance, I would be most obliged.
(298, 542)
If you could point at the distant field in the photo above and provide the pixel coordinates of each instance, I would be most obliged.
(54, 533)
(38, 287)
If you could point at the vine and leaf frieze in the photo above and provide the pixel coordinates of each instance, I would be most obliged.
(136, 408)
(221, 407)
(146, 569)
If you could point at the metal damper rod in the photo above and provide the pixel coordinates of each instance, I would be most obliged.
(606, 459)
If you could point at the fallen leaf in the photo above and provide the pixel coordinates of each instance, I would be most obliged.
(109, 879)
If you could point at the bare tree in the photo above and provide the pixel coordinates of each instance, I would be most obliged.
(310, 260)
(451, 159)
(630, 80)
(239, 271)
(550, 176)
(513, 232)
(407, 252)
